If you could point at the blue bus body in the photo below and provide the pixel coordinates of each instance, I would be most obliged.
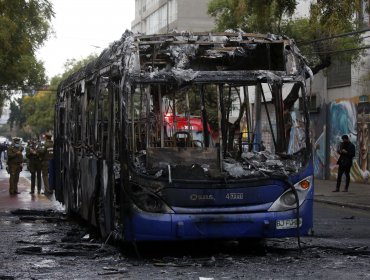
(232, 161)
(250, 218)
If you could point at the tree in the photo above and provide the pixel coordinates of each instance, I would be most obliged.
(228, 13)
(251, 15)
(39, 111)
(327, 18)
(24, 26)
(16, 118)
(36, 112)
(72, 65)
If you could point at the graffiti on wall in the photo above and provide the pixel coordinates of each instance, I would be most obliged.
(363, 123)
(319, 136)
(350, 117)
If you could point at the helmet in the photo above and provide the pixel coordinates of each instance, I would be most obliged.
(16, 139)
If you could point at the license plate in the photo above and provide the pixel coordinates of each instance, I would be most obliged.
(286, 224)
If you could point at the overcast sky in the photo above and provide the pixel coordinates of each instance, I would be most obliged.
(83, 27)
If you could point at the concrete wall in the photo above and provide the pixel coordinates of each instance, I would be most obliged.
(193, 16)
(342, 116)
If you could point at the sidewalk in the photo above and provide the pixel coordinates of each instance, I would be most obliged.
(24, 200)
(358, 195)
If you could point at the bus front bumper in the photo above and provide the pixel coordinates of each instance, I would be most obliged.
(166, 227)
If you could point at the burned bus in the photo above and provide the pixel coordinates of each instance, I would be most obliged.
(188, 136)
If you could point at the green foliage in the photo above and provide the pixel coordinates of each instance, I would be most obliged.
(73, 65)
(35, 113)
(251, 15)
(266, 15)
(39, 111)
(16, 118)
(228, 13)
(24, 26)
(327, 18)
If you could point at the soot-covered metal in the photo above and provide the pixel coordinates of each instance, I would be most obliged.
(179, 107)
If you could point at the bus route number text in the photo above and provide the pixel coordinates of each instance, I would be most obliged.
(234, 196)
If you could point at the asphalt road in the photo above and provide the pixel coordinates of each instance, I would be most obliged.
(342, 223)
(47, 245)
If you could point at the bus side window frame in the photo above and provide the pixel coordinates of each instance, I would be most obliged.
(102, 116)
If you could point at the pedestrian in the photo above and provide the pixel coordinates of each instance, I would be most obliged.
(347, 152)
(34, 165)
(14, 164)
(45, 153)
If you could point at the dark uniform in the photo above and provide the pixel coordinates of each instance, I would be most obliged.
(15, 164)
(34, 165)
(45, 153)
(347, 152)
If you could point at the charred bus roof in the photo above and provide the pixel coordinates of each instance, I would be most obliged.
(229, 57)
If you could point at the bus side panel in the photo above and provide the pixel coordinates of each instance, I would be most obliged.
(88, 167)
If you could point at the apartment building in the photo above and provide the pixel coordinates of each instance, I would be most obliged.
(161, 16)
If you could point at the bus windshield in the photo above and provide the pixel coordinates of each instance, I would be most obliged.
(213, 130)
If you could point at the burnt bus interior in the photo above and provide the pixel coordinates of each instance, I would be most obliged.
(244, 133)
(248, 93)
(179, 107)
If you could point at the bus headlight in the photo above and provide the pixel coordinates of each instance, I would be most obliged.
(287, 200)
(148, 201)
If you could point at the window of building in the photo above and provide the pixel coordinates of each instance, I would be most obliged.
(339, 74)
(151, 3)
(158, 19)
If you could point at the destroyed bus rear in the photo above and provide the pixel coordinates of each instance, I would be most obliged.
(188, 136)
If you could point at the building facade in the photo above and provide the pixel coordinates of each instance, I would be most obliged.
(162, 16)
(342, 96)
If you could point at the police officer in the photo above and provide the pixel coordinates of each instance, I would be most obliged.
(34, 165)
(15, 164)
(45, 153)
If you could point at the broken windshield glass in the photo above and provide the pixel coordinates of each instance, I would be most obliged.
(205, 131)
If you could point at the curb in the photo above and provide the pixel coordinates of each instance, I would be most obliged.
(349, 205)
